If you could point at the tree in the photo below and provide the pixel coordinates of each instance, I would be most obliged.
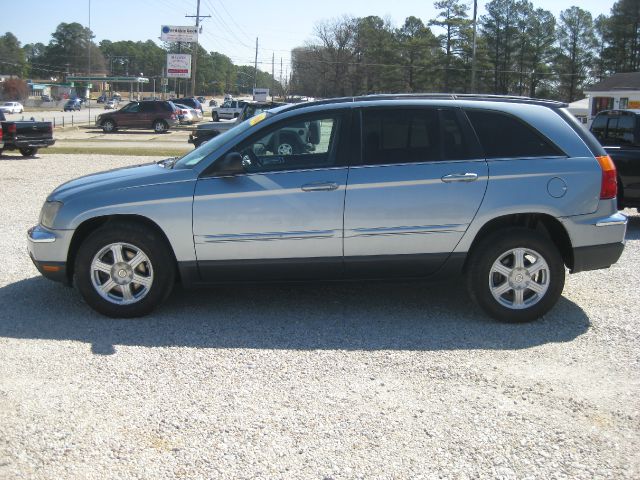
(14, 89)
(576, 41)
(12, 58)
(69, 48)
(453, 18)
(419, 54)
(500, 29)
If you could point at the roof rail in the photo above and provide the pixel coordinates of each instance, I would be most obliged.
(435, 96)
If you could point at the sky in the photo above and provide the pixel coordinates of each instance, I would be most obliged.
(234, 24)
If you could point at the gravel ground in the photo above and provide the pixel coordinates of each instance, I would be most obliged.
(320, 382)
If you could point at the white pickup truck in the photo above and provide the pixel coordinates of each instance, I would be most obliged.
(229, 109)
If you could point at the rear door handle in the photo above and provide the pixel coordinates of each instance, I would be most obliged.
(460, 177)
(319, 187)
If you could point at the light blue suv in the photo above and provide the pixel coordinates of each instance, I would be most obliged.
(507, 191)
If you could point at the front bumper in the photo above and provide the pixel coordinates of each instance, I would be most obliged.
(48, 250)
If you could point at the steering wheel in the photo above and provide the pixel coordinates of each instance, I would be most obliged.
(250, 155)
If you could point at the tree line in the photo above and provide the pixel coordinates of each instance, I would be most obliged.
(67, 54)
(520, 50)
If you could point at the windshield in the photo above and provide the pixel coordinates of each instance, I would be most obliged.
(193, 158)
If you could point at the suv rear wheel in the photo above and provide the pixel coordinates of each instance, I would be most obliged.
(124, 270)
(160, 126)
(516, 275)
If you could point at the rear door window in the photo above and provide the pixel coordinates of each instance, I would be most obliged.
(413, 135)
(505, 136)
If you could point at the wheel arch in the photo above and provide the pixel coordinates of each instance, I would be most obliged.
(90, 225)
(540, 222)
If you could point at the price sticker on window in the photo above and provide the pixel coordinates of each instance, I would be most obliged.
(257, 119)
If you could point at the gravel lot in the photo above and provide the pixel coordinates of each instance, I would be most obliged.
(320, 382)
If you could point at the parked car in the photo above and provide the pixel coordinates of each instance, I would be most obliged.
(206, 131)
(504, 190)
(72, 105)
(619, 132)
(213, 103)
(102, 98)
(187, 114)
(190, 102)
(228, 110)
(45, 98)
(25, 136)
(111, 105)
(158, 115)
(11, 107)
(201, 99)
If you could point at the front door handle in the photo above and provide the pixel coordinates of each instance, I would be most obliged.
(460, 177)
(319, 187)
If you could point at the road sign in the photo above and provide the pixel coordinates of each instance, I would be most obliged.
(172, 33)
(178, 65)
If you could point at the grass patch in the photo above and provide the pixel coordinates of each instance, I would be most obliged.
(144, 152)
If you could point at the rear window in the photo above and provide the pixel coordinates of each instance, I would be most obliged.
(505, 136)
(167, 106)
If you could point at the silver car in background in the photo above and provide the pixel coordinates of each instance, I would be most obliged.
(507, 191)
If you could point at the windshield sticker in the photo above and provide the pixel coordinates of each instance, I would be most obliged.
(257, 119)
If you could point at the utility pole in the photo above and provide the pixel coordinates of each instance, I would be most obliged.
(194, 59)
(89, 63)
(473, 55)
(255, 67)
(273, 73)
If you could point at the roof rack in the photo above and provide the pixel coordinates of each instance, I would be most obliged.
(435, 96)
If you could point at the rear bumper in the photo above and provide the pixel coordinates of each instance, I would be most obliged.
(597, 242)
(34, 143)
(596, 256)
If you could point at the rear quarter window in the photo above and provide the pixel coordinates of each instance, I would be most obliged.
(505, 136)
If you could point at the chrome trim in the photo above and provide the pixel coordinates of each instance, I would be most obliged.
(615, 219)
(416, 229)
(460, 177)
(319, 187)
(425, 162)
(39, 235)
(250, 237)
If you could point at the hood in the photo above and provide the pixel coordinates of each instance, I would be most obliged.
(218, 125)
(121, 178)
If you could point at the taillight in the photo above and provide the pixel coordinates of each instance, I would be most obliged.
(0, 132)
(609, 185)
(11, 128)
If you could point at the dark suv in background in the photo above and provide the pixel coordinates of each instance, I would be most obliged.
(190, 102)
(619, 133)
(158, 115)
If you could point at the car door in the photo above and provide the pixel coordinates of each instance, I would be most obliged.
(419, 185)
(281, 218)
(128, 116)
(147, 114)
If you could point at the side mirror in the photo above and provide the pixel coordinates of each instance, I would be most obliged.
(231, 164)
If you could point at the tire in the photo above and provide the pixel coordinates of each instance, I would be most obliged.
(109, 126)
(235, 115)
(215, 117)
(29, 151)
(160, 126)
(114, 257)
(510, 293)
(286, 148)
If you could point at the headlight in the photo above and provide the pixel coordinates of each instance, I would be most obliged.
(48, 213)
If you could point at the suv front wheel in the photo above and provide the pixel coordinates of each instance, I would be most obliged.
(160, 126)
(124, 270)
(516, 275)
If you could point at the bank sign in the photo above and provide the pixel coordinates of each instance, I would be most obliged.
(172, 33)
(178, 65)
